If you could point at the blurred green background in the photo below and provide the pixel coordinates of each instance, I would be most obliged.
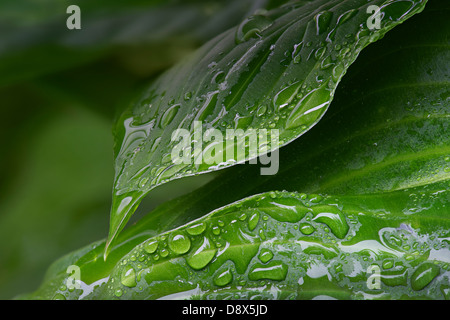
(60, 91)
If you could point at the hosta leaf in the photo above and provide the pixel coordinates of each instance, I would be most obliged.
(387, 129)
(283, 245)
(276, 70)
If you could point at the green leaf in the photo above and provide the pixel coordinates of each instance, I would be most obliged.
(282, 245)
(387, 129)
(276, 70)
(395, 221)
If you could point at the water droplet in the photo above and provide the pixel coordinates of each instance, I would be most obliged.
(218, 77)
(200, 258)
(395, 10)
(265, 255)
(223, 278)
(179, 243)
(323, 20)
(155, 144)
(320, 52)
(388, 264)
(168, 115)
(128, 277)
(423, 275)
(118, 293)
(242, 122)
(216, 230)
(346, 16)
(296, 53)
(196, 229)
(164, 253)
(286, 95)
(261, 110)
(306, 228)
(252, 27)
(326, 63)
(274, 270)
(253, 221)
(286, 210)
(208, 106)
(333, 218)
(187, 96)
(151, 246)
(59, 296)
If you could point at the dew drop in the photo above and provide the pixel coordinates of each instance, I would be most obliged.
(128, 277)
(285, 96)
(261, 110)
(388, 264)
(203, 255)
(326, 63)
(179, 243)
(274, 270)
(265, 255)
(252, 27)
(118, 293)
(320, 52)
(168, 115)
(286, 210)
(322, 20)
(306, 228)
(151, 246)
(223, 278)
(423, 275)
(216, 230)
(347, 16)
(208, 106)
(196, 229)
(333, 218)
(253, 221)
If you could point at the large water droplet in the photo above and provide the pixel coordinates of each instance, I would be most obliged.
(265, 255)
(223, 278)
(322, 20)
(274, 270)
(252, 27)
(168, 115)
(208, 106)
(179, 243)
(203, 255)
(253, 221)
(306, 228)
(151, 246)
(423, 275)
(196, 229)
(128, 277)
(333, 218)
(59, 296)
(286, 95)
(346, 16)
(286, 210)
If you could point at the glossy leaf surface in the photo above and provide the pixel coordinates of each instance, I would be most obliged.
(387, 129)
(384, 157)
(283, 245)
(276, 70)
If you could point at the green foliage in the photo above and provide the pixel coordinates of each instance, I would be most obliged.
(357, 210)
